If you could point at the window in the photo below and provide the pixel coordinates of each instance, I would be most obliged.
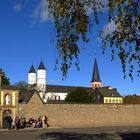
(120, 101)
(106, 100)
(113, 101)
(116, 100)
(54, 97)
(59, 98)
(109, 100)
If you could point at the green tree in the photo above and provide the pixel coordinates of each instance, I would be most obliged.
(21, 85)
(73, 22)
(81, 95)
(5, 80)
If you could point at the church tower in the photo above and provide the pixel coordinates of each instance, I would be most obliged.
(96, 82)
(31, 76)
(41, 78)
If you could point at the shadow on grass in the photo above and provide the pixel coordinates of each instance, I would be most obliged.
(79, 136)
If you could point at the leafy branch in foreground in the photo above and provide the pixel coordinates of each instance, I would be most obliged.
(125, 39)
(73, 22)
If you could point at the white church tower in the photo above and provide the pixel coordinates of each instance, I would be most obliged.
(41, 79)
(31, 76)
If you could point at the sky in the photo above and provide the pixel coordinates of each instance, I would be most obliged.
(25, 34)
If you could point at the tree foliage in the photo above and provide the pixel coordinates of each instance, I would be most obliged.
(5, 80)
(126, 37)
(131, 99)
(80, 95)
(21, 85)
(73, 22)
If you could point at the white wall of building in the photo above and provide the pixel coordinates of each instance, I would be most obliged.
(41, 80)
(55, 96)
(31, 78)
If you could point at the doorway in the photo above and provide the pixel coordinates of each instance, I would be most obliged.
(6, 113)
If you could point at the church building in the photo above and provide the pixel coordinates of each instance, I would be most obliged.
(12, 98)
(37, 80)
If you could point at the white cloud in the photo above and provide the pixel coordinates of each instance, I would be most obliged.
(40, 13)
(18, 6)
(110, 27)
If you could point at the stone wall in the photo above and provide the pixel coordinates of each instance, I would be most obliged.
(66, 115)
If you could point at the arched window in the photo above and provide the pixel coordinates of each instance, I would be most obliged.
(113, 101)
(59, 98)
(106, 100)
(120, 101)
(55, 97)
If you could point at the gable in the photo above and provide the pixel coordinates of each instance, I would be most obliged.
(35, 99)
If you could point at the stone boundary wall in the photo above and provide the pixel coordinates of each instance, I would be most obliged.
(72, 115)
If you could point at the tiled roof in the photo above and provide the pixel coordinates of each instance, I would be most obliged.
(9, 87)
(25, 95)
(32, 69)
(41, 66)
(106, 92)
(62, 89)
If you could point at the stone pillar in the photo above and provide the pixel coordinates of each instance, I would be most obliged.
(1, 74)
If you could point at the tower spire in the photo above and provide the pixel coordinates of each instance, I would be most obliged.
(95, 82)
(41, 66)
(32, 69)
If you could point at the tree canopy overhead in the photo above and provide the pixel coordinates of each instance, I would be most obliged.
(73, 20)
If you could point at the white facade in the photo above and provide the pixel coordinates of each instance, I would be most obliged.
(41, 80)
(55, 96)
(31, 78)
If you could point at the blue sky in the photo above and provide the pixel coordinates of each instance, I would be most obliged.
(25, 34)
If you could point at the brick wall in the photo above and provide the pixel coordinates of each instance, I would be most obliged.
(81, 114)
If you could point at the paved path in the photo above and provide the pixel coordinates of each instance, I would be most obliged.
(91, 133)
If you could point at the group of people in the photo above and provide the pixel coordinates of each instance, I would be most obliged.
(38, 123)
(21, 123)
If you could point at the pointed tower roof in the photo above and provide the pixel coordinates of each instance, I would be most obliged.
(32, 69)
(95, 76)
(41, 66)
